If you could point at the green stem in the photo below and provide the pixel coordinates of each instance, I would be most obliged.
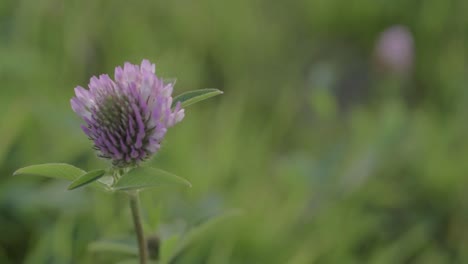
(135, 206)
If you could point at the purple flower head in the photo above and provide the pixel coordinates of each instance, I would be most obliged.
(128, 117)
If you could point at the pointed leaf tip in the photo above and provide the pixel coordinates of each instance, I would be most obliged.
(86, 178)
(195, 96)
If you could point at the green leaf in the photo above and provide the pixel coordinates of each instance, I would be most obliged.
(116, 246)
(199, 231)
(195, 96)
(147, 177)
(52, 170)
(86, 178)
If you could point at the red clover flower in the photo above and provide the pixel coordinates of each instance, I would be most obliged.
(128, 117)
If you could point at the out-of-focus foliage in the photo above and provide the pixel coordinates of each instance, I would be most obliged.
(332, 157)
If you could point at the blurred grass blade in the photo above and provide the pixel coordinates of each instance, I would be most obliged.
(10, 132)
(129, 261)
(52, 170)
(115, 246)
(86, 179)
(168, 248)
(147, 177)
(134, 261)
(199, 231)
(195, 96)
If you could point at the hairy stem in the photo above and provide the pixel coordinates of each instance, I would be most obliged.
(136, 214)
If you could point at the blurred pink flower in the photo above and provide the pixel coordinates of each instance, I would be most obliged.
(395, 50)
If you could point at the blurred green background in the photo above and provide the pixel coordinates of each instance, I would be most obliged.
(342, 133)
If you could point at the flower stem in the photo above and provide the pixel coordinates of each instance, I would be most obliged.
(135, 206)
